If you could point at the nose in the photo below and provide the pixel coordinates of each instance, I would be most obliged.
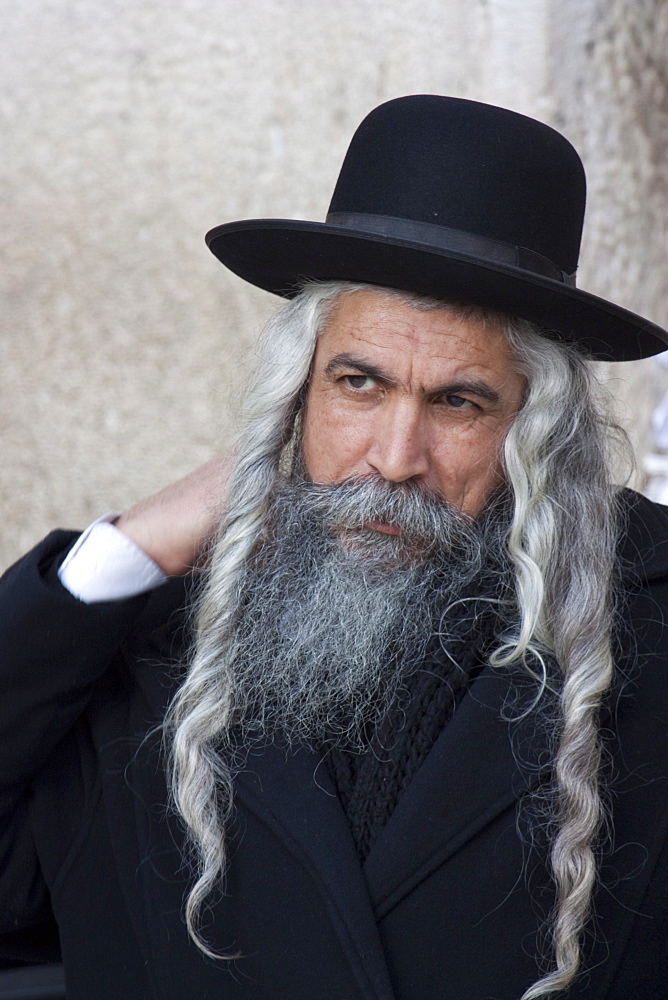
(398, 450)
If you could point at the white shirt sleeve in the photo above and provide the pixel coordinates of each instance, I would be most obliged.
(105, 565)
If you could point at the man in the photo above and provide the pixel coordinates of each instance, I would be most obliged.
(419, 749)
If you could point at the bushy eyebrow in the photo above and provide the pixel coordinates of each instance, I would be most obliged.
(352, 361)
(474, 387)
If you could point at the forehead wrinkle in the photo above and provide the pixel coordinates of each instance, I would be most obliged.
(394, 316)
(421, 334)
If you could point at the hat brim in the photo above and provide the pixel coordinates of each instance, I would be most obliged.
(279, 255)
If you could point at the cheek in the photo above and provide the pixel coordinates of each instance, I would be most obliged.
(312, 445)
(332, 443)
(468, 467)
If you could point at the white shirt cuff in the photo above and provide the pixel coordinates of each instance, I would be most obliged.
(105, 565)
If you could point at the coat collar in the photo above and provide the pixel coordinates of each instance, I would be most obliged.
(452, 797)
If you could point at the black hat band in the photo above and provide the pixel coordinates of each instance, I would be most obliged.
(457, 240)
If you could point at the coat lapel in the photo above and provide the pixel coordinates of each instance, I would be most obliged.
(468, 778)
(295, 796)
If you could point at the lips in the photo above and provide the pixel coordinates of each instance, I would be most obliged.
(383, 527)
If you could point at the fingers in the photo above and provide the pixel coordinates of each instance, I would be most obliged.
(174, 525)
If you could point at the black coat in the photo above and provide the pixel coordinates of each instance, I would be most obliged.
(450, 900)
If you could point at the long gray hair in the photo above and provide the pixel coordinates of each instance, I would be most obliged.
(561, 544)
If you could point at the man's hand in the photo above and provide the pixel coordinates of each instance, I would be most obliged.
(174, 525)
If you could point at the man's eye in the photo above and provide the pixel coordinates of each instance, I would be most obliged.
(458, 401)
(362, 383)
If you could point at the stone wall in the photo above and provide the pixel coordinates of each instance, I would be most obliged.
(133, 126)
(610, 86)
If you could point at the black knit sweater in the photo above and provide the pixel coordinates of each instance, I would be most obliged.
(370, 784)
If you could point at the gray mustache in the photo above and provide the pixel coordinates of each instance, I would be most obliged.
(421, 516)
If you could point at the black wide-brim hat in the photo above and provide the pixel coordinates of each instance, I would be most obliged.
(457, 200)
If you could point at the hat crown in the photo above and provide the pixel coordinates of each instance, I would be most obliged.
(467, 166)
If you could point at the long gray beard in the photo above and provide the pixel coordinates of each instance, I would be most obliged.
(334, 617)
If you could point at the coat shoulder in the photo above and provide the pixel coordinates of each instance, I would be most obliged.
(643, 548)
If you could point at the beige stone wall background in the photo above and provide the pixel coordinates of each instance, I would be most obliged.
(130, 127)
(610, 87)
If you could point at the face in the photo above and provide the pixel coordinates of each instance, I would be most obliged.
(410, 395)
